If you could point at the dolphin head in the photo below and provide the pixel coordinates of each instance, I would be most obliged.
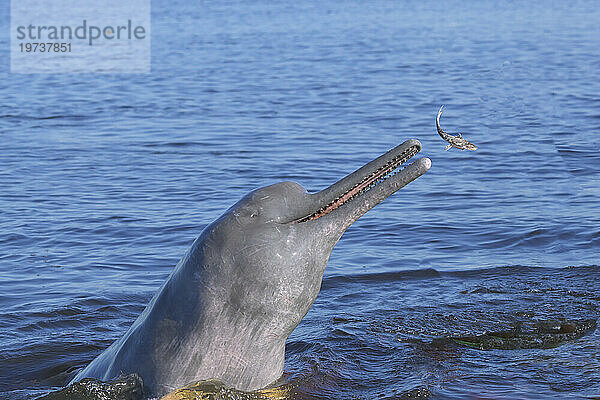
(276, 241)
(289, 204)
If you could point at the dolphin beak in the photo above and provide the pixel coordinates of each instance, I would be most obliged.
(351, 197)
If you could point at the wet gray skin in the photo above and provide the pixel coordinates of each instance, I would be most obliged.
(457, 141)
(229, 305)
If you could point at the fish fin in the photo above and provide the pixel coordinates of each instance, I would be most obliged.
(459, 135)
(448, 147)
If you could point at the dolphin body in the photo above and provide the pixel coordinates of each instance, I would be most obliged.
(229, 305)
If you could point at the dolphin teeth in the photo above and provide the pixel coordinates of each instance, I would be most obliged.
(389, 169)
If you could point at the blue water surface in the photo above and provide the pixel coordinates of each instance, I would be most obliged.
(105, 181)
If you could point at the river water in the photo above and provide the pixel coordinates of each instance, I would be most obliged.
(105, 181)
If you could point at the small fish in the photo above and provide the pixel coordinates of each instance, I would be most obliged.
(455, 141)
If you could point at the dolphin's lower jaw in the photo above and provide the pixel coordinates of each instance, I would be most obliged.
(363, 189)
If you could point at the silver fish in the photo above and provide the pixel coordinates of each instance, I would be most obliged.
(455, 141)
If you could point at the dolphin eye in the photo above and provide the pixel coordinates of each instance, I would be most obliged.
(253, 213)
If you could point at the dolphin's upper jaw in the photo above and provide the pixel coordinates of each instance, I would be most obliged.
(348, 199)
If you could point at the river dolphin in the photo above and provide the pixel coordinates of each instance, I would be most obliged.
(229, 305)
